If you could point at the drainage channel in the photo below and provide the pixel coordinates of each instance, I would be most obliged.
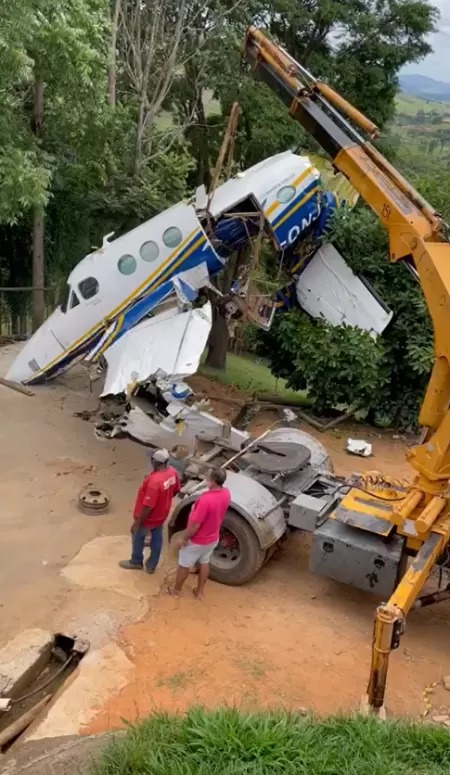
(30, 678)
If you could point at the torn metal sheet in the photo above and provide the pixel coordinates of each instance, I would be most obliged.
(328, 289)
(168, 346)
(183, 425)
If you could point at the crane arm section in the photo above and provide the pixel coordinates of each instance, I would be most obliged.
(415, 230)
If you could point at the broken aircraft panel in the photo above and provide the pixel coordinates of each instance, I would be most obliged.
(168, 347)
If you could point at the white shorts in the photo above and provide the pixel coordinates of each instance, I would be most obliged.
(191, 554)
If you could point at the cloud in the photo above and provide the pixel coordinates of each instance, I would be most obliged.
(437, 64)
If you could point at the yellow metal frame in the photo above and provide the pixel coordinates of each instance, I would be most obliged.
(415, 232)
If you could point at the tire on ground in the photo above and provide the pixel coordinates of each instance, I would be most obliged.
(252, 556)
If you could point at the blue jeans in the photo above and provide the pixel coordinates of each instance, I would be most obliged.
(137, 546)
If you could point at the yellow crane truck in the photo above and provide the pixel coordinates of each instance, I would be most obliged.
(376, 534)
(417, 235)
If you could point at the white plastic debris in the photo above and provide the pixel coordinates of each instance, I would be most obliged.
(289, 415)
(359, 447)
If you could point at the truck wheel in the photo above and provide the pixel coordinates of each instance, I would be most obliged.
(238, 556)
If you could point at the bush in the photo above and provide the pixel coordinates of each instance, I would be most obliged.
(339, 365)
(336, 365)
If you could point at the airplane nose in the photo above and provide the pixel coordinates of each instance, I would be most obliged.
(36, 354)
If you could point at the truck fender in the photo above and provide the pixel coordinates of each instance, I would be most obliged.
(251, 500)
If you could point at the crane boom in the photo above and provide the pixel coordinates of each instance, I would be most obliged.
(416, 234)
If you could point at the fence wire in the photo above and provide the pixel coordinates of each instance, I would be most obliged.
(16, 311)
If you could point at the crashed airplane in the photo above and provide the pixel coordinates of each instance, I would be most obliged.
(129, 305)
(169, 258)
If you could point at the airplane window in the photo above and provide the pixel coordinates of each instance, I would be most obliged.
(127, 264)
(285, 194)
(74, 300)
(172, 237)
(88, 287)
(149, 251)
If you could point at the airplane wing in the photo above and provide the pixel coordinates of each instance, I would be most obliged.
(169, 346)
(328, 289)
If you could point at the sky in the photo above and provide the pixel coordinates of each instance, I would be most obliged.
(437, 64)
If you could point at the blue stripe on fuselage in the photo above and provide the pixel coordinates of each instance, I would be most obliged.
(143, 301)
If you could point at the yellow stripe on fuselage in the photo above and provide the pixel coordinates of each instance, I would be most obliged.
(295, 183)
(130, 297)
(298, 205)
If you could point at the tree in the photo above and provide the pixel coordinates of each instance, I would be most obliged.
(388, 376)
(359, 46)
(69, 142)
(54, 88)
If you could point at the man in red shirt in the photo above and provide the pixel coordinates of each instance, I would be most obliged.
(202, 533)
(151, 510)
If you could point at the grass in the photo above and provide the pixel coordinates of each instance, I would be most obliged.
(252, 375)
(409, 105)
(252, 667)
(230, 743)
(176, 681)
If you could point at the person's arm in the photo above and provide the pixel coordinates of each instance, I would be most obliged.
(137, 523)
(149, 502)
(196, 518)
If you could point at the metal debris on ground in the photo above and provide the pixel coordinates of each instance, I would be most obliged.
(93, 501)
(359, 447)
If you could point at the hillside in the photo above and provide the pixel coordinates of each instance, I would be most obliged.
(408, 105)
(425, 88)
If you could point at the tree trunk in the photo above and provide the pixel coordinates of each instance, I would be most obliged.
(203, 170)
(38, 217)
(38, 268)
(218, 340)
(112, 74)
(219, 336)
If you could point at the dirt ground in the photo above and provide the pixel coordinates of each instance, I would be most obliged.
(288, 638)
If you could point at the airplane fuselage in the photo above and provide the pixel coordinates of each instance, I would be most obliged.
(114, 287)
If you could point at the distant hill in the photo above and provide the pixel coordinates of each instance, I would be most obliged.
(425, 88)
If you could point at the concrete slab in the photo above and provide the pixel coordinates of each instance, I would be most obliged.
(101, 674)
(63, 756)
(96, 567)
(22, 659)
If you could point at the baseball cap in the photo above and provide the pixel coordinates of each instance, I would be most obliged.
(160, 456)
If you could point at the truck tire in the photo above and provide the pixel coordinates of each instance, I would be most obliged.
(238, 557)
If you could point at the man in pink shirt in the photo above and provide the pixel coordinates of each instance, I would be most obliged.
(202, 532)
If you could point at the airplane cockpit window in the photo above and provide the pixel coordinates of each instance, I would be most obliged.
(88, 287)
(74, 300)
(65, 295)
(149, 251)
(285, 194)
(127, 264)
(172, 237)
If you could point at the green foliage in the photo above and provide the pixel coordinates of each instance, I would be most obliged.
(80, 164)
(234, 743)
(359, 46)
(252, 375)
(343, 365)
(336, 365)
(407, 342)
